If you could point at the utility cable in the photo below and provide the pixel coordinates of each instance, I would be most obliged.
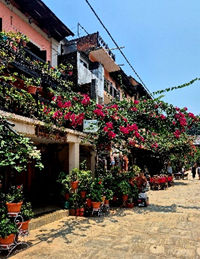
(118, 47)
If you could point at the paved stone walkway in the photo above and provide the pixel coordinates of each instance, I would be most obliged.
(168, 228)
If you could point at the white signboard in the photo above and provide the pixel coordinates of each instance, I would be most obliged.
(90, 126)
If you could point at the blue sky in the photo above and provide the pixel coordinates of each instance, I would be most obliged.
(161, 39)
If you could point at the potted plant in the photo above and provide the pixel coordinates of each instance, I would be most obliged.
(32, 84)
(73, 176)
(108, 194)
(8, 231)
(74, 202)
(14, 200)
(96, 193)
(27, 214)
(85, 179)
(125, 189)
(64, 180)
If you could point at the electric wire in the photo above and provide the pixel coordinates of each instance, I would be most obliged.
(118, 47)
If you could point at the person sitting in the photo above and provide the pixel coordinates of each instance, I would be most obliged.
(141, 181)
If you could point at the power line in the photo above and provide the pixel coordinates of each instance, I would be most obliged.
(118, 47)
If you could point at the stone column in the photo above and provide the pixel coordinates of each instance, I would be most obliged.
(93, 162)
(74, 153)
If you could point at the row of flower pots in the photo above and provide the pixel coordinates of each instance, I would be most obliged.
(12, 207)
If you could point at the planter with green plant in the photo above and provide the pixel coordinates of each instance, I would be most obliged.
(74, 204)
(125, 189)
(73, 176)
(85, 180)
(8, 231)
(64, 180)
(108, 196)
(14, 200)
(96, 193)
(27, 214)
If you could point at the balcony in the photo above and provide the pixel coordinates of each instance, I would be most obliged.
(97, 49)
(18, 63)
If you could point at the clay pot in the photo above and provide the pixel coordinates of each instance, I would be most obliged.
(14, 208)
(74, 185)
(124, 197)
(72, 212)
(96, 205)
(83, 194)
(78, 212)
(89, 203)
(130, 205)
(82, 212)
(32, 89)
(7, 240)
(106, 202)
(23, 225)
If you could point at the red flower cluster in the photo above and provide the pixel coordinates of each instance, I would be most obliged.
(134, 109)
(57, 115)
(162, 117)
(86, 100)
(155, 145)
(191, 115)
(177, 134)
(111, 134)
(124, 130)
(136, 102)
(99, 113)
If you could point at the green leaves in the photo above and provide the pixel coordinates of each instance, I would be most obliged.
(17, 151)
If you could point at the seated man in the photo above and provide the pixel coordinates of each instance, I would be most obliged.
(141, 181)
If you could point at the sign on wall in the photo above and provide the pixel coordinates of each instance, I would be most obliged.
(90, 126)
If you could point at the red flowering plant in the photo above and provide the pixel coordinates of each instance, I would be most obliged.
(151, 124)
(70, 109)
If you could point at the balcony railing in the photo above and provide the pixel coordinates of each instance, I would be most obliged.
(14, 95)
(102, 44)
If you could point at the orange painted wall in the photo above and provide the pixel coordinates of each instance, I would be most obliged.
(12, 22)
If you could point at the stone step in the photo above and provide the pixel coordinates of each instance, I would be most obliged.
(47, 218)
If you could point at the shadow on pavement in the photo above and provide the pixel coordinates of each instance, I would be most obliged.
(156, 208)
(180, 183)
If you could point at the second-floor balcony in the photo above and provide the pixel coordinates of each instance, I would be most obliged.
(94, 46)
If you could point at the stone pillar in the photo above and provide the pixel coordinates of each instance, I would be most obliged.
(74, 153)
(93, 162)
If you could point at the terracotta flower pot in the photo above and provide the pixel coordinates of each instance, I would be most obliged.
(72, 212)
(7, 240)
(14, 208)
(82, 212)
(78, 212)
(32, 89)
(66, 196)
(106, 202)
(89, 203)
(83, 194)
(114, 198)
(23, 225)
(124, 197)
(130, 205)
(96, 205)
(74, 185)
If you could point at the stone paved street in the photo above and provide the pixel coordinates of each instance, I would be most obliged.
(168, 228)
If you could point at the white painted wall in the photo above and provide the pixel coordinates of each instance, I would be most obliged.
(85, 76)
